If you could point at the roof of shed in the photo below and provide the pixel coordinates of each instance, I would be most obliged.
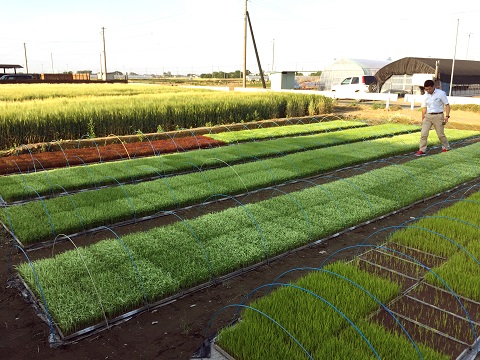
(10, 66)
(366, 65)
(369, 64)
(464, 71)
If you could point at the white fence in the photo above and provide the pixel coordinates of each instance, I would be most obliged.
(359, 95)
(452, 100)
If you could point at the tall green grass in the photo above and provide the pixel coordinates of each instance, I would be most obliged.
(71, 117)
(24, 92)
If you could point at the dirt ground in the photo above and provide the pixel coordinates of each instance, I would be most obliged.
(177, 329)
(401, 111)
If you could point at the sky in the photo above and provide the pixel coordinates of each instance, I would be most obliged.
(193, 36)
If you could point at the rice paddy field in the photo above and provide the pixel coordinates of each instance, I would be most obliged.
(89, 110)
(257, 226)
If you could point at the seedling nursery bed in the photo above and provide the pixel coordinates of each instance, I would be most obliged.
(29, 161)
(432, 316)
(174, 328)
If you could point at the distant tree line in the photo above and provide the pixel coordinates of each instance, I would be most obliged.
(224, 75)
(214, 75)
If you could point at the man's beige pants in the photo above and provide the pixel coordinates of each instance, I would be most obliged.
(437, 121)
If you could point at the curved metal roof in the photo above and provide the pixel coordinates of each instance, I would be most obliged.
(369, 64)
(366, 65)
(464, 72)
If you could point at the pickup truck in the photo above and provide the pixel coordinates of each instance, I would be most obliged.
(365, 83)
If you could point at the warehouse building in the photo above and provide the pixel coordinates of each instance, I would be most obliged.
(399, 76)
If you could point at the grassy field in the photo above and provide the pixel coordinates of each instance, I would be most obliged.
(74, 111)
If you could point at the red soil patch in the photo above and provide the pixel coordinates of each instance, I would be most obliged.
(56, 159)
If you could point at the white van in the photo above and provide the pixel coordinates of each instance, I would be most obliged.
(365, 83)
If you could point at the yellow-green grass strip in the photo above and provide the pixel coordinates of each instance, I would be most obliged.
(36, 121)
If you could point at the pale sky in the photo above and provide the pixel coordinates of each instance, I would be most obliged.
(193, 36)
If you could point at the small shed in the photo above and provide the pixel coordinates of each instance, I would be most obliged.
(282, 80)
(10, 66)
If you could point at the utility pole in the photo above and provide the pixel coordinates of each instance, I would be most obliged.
(453, 62)
(104, 54)
(101, 67)
(256, 52)
(245, 47)
(273, 53)
(26, 62)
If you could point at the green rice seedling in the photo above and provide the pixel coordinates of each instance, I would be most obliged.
(290, 130)
(461, 272)
(444, 232)
(218, 243)
(80, 177)
(375, 192)
(312, 310)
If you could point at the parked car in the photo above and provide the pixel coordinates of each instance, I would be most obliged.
(15, 77)
(365, 83)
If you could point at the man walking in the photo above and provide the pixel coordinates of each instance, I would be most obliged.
(434, 104)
